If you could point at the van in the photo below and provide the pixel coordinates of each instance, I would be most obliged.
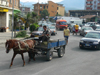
(60, 24)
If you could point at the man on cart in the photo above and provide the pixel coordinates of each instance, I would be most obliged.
(45, 35)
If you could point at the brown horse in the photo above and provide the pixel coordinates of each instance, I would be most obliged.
(20, 47)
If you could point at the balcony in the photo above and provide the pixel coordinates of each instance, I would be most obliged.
(4, 3)
(89, 0)
(88, 8)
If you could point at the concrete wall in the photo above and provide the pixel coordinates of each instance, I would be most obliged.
(16, 4)
(61, 10)
(52, 8)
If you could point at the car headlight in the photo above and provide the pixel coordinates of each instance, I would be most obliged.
(95, 42)
(81, 41)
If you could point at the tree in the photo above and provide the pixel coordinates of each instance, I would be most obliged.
(58, 15)
(16, 19)
(27, 19)
(44, 13)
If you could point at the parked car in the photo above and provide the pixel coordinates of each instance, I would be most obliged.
(53, 30)
(84, 30)
(91, 40)
(38, 32)
(97, 29)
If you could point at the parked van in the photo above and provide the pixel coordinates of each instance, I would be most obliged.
(60, 24)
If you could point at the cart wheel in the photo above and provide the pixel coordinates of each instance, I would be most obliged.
(49, 55)
(61, 52)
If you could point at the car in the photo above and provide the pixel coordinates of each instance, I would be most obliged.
(91, 40)
(97, 29)
(36, 34)
(53, 30)
(84, 30)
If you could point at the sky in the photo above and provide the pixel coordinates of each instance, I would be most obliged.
(40, 1)
(68, 4)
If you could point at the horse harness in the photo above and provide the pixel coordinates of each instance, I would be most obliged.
(26, 46)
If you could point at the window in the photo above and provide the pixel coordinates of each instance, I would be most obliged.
(40, 12)
(44, 7)
(57, 8)
(10, 1)
(15, 2)
(40, 6)
(23, 9)
(47, 7)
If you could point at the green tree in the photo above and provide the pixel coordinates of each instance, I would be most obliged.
(58, 15)
(44, 13)
(27, 19)
(16, 22)
(33, 26)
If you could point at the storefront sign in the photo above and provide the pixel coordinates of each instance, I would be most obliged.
(3, 10)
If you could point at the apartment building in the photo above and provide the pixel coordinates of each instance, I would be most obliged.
(6, 13)
(24, 10)
(92, 5)
(53, 8)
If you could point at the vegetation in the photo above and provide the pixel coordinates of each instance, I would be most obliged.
(44, 13)
(21, 34)
(33, 27)
(58, 15)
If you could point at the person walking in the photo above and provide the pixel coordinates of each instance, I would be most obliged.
(66, 34)
(73, 29)
(76, 28)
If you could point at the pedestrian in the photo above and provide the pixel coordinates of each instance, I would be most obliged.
(66, 34)
(76, 28)
(73, 29)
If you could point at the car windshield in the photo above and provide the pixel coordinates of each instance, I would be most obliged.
(93, 35)
(52, 27)
(40, 29)
(63, 23)
(88, 28)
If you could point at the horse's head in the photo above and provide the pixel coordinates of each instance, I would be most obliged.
(9, 45)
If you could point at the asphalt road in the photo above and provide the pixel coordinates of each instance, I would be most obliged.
(74, 62)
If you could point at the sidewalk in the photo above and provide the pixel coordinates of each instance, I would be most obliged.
(6, 36)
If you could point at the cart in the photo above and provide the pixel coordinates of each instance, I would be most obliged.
(57, 46)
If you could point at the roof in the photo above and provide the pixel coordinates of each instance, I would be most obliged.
(61, 20)
(88, 16)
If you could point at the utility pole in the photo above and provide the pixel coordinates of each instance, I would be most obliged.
(12, 18)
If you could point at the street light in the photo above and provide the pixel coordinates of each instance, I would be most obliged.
(12, 18)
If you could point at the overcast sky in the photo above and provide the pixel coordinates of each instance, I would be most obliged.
(40, 1)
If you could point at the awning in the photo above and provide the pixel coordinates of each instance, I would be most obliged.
(87, 16)
(16, 11)
(3, 10)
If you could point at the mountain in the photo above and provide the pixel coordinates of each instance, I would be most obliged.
(73, 4)
(68, 4)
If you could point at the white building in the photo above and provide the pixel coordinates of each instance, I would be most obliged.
(92, 5)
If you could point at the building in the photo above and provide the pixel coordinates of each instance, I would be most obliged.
(6, 13)
(61, 9)
(79, 13)
(53, 8)
(24, 10)
(92, 5)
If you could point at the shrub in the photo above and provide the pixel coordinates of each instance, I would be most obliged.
(21, 34)
(33, 26)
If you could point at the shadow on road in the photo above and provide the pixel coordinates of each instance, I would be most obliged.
(84, 50)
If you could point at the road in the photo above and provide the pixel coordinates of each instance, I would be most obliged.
(74, 62)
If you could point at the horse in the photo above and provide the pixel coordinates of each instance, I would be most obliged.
(20, 47)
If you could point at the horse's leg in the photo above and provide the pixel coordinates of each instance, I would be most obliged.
(12, 59)
(34, 56)
(29, 56)
(23, 59)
